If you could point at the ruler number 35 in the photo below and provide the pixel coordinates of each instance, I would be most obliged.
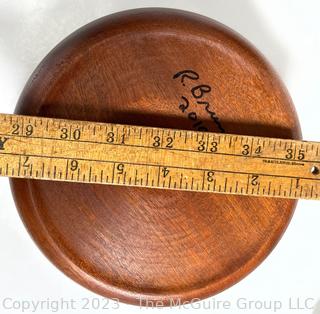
(291, 154)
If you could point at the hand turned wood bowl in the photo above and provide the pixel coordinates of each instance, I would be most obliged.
(161, 68)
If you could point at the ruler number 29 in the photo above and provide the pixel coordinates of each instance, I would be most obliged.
(17, 130)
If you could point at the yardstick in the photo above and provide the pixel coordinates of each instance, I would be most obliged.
(104, 153)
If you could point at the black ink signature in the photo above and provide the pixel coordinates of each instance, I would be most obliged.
(198, 92)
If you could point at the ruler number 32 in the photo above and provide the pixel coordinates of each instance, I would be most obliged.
(168, 142)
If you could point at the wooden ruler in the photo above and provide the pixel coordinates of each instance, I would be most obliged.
(104, 153)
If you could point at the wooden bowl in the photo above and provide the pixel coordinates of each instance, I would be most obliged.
(163, 68)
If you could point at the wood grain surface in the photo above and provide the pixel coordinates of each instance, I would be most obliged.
(139, 245)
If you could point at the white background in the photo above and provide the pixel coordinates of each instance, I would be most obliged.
(286, 31)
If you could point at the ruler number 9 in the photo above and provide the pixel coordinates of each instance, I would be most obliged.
(74, 165)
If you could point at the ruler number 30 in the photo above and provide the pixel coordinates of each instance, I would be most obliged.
(66, 134)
